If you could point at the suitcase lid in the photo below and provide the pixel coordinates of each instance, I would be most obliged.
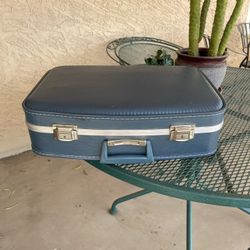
(124, 91)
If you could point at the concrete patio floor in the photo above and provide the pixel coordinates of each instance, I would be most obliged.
(58, 204)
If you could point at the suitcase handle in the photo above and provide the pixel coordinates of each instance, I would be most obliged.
(126, 159)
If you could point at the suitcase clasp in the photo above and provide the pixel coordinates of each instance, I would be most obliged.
(182, 133)
(65, 132)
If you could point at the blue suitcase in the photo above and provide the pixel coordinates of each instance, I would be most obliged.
(116, 114)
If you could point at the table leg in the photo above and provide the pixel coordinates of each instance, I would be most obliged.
(246, 210)
(189, 226)
(113, 209)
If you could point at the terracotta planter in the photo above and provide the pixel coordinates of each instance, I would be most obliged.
(214, 68)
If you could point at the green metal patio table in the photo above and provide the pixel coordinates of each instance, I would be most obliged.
(220, 179)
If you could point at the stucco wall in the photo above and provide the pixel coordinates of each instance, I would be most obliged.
(36, 35)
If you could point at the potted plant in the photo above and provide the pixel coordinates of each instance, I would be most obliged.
(212, 60)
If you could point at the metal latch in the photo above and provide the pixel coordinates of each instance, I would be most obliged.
(182, 133)
(65, 132)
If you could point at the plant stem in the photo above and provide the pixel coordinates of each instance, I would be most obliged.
(217, 27)
(203, 18)
(194, 27)
(229, 26)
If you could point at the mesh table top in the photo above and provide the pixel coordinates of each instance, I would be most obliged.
(136, 53)
(134, 50)
(223, 178)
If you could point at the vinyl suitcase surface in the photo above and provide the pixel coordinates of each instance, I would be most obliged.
(116, 114)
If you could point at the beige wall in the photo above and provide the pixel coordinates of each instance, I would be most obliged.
(36, 35)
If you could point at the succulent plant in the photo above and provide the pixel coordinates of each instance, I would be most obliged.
(160, 58)
(219, 37)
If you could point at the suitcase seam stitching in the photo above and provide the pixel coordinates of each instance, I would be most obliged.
(98, 157)
(107, 118)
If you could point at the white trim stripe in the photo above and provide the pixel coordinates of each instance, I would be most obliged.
(124, 132)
